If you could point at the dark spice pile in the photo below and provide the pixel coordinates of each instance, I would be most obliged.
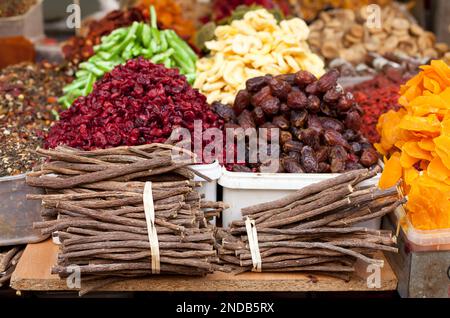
(136, 103)
(376, 97)
(12, 8)
(28, 102)
(78, 49)
(319, 122)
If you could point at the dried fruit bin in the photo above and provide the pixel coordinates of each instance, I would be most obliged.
(17, 214)
(212, 171)
(243, 189)
(29, 25)
(422, 240)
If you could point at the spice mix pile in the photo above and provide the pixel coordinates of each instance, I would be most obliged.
(28, 104)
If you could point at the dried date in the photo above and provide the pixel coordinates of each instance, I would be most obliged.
(353, 120)
(314, 123)
(308, 160)
(322, 154)
(328, 80)
(331, 123)
(245, 120)
(299, 118)
(256, 83)
(258, 98)
(270, 106)
(324, 167)
(285, 136)
(333, 95)
(303, 78)
(369, 157)
(297, 100)
(241, 102)
(313, 104)
(292, 145)
(334, 138)
(338, 158)
(224, 111)
(281, 121)
(310, 137)
(292, 166)
(259, 116)
(280, 88)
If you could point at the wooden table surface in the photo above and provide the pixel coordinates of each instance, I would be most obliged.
(33, 273)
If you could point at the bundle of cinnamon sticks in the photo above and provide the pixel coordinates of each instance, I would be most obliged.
(94, 203)
(311, 229)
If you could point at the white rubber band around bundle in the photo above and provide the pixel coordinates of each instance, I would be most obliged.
(253, 244)
(149, 210)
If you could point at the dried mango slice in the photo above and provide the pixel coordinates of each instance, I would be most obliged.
(392, 172)
(409, 175)
(437, 170)
(429, 124)
(413, 150)
(426, 144)
(407, 161)
(432, 85)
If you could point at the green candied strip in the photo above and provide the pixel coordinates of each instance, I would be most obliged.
(162, 56)
(105, 66)
(91, 68)
(174, 36)
(81, 73)
(146, 35)
(164, 43)
(190, 78)
(64, 102)
(105, 55)
(153, 21)
(167, 62)
(137, 50)
(89, 85)
(79, 82)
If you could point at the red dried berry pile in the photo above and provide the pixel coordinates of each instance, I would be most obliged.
(319, 122)
(136, 103)
(376, 97)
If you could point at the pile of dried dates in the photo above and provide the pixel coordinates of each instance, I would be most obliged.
(319, 122)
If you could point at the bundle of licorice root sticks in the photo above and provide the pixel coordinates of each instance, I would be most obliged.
(95, 203)
(9, 257)
(311, 229)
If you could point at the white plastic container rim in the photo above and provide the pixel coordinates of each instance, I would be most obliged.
(275, 181)
(422, 237)
(13, 178)
(212, 171)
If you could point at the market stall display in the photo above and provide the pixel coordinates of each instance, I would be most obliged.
(136, 103)
(345, 34)
(253, 46)
(102, 211)
(140, 39)
(28, 104)
(9, 257)
(310, 230)
(319, 122)
(415, 140)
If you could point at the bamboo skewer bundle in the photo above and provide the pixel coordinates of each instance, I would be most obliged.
(310, 230)
(95, 205)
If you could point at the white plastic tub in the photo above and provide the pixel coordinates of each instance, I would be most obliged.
(212, 171)
(17, 214)
(243, 189)
(423, 240)
(29, 25)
